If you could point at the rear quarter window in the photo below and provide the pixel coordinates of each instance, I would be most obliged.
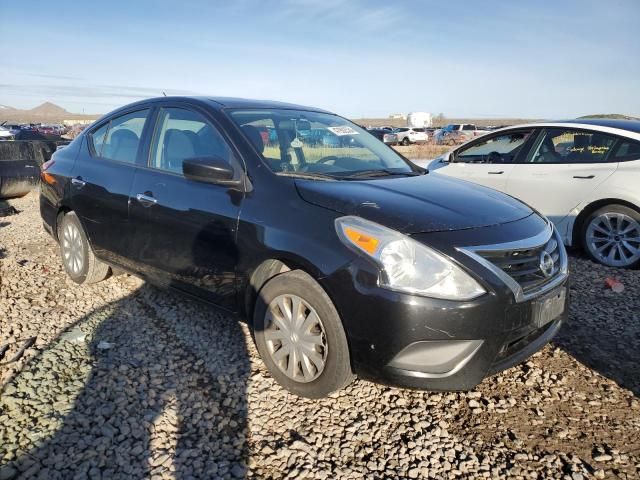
(97, 138)
(627, 150)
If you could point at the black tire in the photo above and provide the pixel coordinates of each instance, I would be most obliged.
(612, 209)
(337, 369)
(90, 269)
(406, 142)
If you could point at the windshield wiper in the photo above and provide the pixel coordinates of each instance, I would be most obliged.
(314, 175)
(377, 173)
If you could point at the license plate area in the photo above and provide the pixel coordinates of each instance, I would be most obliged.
(548, 307)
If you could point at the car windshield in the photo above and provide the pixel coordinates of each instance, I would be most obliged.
(314, 144)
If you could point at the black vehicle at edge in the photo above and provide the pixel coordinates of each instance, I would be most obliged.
(398, 276)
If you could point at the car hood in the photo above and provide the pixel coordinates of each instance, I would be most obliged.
(426, 203)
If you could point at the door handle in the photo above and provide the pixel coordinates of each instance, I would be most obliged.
(146, 200)
(497, 173)
(78, 182)
(584, 177)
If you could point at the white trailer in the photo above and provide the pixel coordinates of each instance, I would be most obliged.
(419, 119)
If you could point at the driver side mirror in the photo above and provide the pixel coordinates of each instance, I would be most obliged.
(209, 169)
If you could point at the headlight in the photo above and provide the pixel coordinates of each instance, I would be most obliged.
(406, 265)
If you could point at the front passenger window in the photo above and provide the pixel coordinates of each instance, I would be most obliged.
(182, 134)
(500, 149)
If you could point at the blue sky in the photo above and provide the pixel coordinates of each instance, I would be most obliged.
(536, 59)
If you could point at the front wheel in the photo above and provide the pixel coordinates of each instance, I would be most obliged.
(611, 236)
(300, 336)
(406, 142)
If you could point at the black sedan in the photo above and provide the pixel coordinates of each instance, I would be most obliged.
(345, 261)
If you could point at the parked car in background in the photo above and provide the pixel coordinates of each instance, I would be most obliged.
(384, 135)
(13, 128)
(584, 175)
(5, 133)
(408, 135)
(347, 260)
(455, 133)
(390, 138)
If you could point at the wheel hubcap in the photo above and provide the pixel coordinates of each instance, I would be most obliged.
(295, 337)
(614, 239)
(72, 252)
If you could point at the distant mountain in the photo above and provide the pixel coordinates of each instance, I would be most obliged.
(49, 109)
(47, 113)
(612, 116)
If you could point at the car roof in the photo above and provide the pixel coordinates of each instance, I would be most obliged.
(233, 102)
(219, 103)
(625, 128)
(631, 125)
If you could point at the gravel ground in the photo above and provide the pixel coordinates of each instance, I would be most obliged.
(126, 381)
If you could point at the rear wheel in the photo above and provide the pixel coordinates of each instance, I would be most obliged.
(78, 259)
(300, 337)
(611, 236)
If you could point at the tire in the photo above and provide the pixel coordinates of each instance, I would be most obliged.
(611, 236)
(406, 142)
(288, 370)
(79, 261)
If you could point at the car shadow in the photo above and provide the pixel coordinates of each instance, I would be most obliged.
(143, 386)
(603, 329)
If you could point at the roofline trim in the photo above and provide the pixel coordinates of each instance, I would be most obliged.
(585, 126)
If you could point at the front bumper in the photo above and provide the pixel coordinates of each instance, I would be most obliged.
(430, 344)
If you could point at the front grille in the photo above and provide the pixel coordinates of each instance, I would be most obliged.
(524, 265)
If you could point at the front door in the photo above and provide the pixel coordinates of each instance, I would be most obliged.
(101, 182)
(489, 161)
(186, 230)
(561, 170)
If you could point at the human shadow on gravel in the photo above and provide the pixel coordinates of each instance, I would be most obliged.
(603, 329)
(158, 389)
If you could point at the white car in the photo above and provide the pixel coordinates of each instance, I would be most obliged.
(5, 133)
(584, 175)
(408, 135)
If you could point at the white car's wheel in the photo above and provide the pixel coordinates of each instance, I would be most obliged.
(611, 236)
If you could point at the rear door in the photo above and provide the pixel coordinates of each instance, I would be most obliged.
(102, 178)
(562, 169)
(186, 230)
(489, 161)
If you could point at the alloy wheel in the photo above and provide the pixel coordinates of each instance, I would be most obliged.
(72, 248)
(295, 338)
(614, 239)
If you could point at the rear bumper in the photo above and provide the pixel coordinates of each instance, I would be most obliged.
(48, 212)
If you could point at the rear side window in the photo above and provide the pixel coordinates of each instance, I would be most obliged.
(120, 138)
(468, 127)
(627, 150)
(558, 145)
(182, 134)
(419, 130)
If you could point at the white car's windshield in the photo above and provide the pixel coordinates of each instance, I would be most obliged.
(299, 142)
